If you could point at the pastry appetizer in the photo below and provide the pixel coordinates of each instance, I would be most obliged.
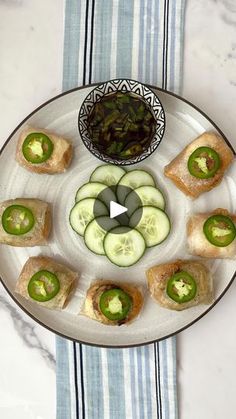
(112, 303)
(201, 165)
(181, 284)
(212, 235)
(41, 151)
(46, 282)
(24, 222)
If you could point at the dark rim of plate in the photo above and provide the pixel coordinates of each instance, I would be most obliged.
(135, 159)
(142, 343)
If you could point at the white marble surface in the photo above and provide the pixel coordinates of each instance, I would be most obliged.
(206, 351)
(30, 73)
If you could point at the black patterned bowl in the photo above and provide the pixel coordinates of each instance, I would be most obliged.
(122, 85)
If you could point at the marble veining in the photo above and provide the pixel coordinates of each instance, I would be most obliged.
(11, 3)
(26, 330)
(229, 20)
(230, 5)
(227, 11)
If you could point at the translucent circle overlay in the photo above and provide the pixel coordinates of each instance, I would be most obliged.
(123, 219)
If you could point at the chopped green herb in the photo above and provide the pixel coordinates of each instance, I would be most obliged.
(121, 125)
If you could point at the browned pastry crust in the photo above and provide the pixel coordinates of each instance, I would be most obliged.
(59, 160)
(91, 304)
(66, 277)
(39, 233)
(177, 169)
(158, 276)
(198, 243)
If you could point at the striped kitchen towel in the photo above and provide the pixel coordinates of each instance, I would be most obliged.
(143, 40)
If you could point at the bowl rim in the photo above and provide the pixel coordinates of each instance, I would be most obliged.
(119, 162)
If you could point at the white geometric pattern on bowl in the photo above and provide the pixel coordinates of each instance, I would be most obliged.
(122, 85)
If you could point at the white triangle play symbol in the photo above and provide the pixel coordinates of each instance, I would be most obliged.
(116, 209)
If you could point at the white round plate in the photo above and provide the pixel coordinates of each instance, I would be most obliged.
(184, 122)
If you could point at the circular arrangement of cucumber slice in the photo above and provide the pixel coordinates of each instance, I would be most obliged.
(89, 190)
(92, 190)
(124, 247)
(94, 233)
(133, 180)
(148, 195)
(107, 174)
(154, 225)
(82, 213)
(149, 225)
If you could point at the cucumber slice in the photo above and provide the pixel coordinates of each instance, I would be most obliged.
(83, 212)
(133, 180)
(92, 190)
(107, 174)
(148, 196)
(124, 246)
(154, 224)
(94, 233)
(89, 190)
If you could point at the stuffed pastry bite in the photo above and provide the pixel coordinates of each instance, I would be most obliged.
(24, 222)
(212, 234)
(201, 165)
(41, 151)
(112, 303)
(46, 282)
(180, 284)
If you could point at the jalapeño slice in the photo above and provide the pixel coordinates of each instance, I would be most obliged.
(17, 220)
(43, 286)
(181, 287)
(37, 147)
(115, 304)
(219, 230)
(203, 163)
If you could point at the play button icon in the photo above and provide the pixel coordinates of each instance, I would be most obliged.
(117, 213)
(116, 209)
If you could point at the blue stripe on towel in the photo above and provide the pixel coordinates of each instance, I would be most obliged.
(124, 38)
(147, 377)
(63, 380)
(103, 13)
(116, 383)
(71, 44)
(93, 380)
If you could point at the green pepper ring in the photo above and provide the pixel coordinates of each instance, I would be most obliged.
(220, 218)
(126, 301)
(34, 158)
(14, 231)
(37, 277)
(176, 277)
(196, 154)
